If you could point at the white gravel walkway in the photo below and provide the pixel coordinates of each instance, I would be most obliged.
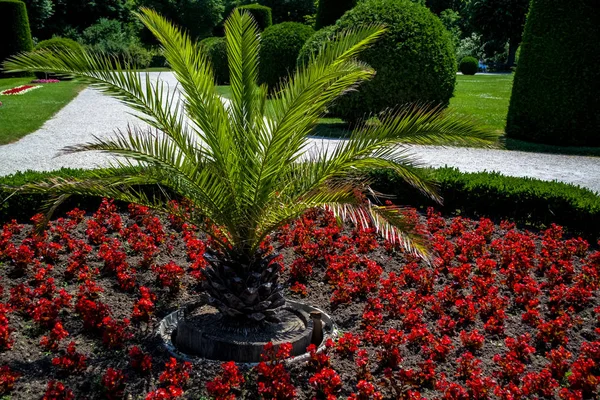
(94, 114)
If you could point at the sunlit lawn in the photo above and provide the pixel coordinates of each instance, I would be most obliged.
(23, 114)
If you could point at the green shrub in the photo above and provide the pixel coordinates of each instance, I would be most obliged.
(59, 43)
(280, 46)
(15, 35)
(119, 39)
(329, 11)
(262, 15)
(414, 60)
(314, 43)
(217, 53)
(469, 65)
(555, 91)
(527, 201)
(56, 43)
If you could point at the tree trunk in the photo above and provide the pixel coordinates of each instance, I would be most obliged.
(513, 45)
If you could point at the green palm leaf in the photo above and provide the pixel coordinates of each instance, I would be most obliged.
(246, 166)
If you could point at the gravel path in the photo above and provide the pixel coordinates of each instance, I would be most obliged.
(94, 114)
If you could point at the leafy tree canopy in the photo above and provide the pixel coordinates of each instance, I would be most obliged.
(499, 22)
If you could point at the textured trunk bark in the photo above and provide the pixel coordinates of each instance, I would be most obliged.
(513, 45)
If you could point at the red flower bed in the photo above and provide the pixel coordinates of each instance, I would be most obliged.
(19, 90)
(500, 314)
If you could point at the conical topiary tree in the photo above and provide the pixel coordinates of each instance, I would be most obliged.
(329, 11)
(555, 93)
(15, 35)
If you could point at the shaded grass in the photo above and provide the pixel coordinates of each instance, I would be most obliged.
(23, 114)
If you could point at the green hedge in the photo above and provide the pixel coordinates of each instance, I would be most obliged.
(527, 201)
(415, 59)
(329, 11)
(555, 91)
(15, 35)
(279, 49)
(217, 53)
(262, 15)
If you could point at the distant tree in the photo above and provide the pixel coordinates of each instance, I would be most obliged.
(329, 11)
(499, 22)
(288, 10)
(197, 17)
(39, 11)
(73, 16)
(437, 6)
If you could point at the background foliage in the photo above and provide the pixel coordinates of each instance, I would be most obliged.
(329, 11)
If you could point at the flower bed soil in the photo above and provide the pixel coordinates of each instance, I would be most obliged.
(500, 314)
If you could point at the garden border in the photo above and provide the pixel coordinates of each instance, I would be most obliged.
(528, 202)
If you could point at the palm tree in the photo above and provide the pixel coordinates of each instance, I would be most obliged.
(246, 166)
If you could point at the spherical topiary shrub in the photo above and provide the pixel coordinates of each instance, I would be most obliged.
(58, 44)
(216, 49)
(280, 45)
(555, 97)
(262, 15)
(314, 43)
(414, 60)
(15, 35)
(469, 65)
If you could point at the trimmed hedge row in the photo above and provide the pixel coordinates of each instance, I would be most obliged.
(527, 201)
(555, 92)
(15, 35)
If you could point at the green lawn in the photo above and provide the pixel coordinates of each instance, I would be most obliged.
(23, 114)
(482, 97)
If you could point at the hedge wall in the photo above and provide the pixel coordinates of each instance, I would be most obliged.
(555, 92)
(15, 35)
(262, 15)
(527, 201)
